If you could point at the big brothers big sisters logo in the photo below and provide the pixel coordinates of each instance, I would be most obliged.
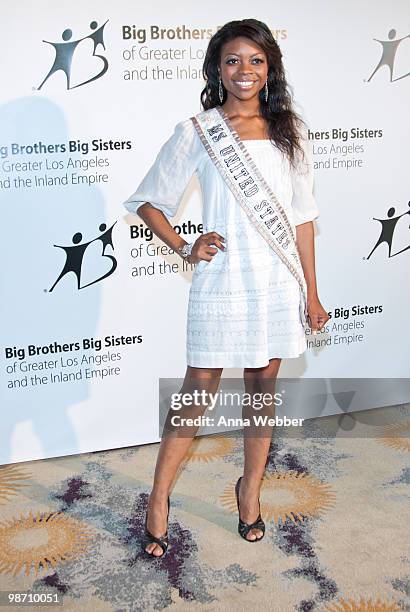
(75, 255)
(65, 54)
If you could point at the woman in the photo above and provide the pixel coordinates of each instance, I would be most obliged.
(248, 303)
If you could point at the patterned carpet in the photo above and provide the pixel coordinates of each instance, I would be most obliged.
(336, 512)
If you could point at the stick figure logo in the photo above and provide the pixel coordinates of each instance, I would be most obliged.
(64, 52)
(75, 255)
(389, 48)
(387, 231)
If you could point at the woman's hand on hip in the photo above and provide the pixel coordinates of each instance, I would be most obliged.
(204, 247)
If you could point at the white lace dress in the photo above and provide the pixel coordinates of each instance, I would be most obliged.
(243, 305)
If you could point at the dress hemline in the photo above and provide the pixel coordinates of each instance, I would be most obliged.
(207, 359)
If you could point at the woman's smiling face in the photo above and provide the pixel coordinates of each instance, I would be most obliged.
(243, 68)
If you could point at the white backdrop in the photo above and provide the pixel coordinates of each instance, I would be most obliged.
(80, 364)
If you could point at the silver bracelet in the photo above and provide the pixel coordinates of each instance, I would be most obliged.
(185, 251)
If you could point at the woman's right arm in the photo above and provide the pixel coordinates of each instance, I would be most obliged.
(159, 194)
(161, 227)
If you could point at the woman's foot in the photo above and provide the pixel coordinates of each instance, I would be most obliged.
(157, 521)
(249, 504)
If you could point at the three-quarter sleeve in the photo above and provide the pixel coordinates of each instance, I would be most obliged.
(303, 201)
(165, 182)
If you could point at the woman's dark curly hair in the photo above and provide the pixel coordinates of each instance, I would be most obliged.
(283, 122)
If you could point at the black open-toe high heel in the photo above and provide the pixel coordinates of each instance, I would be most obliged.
(244, 528)
(150, 539)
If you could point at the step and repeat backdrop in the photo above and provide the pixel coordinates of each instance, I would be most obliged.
(93, 307)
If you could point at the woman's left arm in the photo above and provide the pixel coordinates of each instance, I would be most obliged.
(305, 239)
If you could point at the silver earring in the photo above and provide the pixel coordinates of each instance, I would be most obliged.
(266, 91)
(221, 91)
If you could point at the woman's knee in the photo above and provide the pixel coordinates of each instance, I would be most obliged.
(201, 379)
(261, 379)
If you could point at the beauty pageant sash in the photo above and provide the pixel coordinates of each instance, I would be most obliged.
(242, 176)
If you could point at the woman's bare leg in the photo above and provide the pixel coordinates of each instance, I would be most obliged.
(256, 443)
(172, 450)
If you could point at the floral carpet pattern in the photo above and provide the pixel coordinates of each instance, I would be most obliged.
(336, 510)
